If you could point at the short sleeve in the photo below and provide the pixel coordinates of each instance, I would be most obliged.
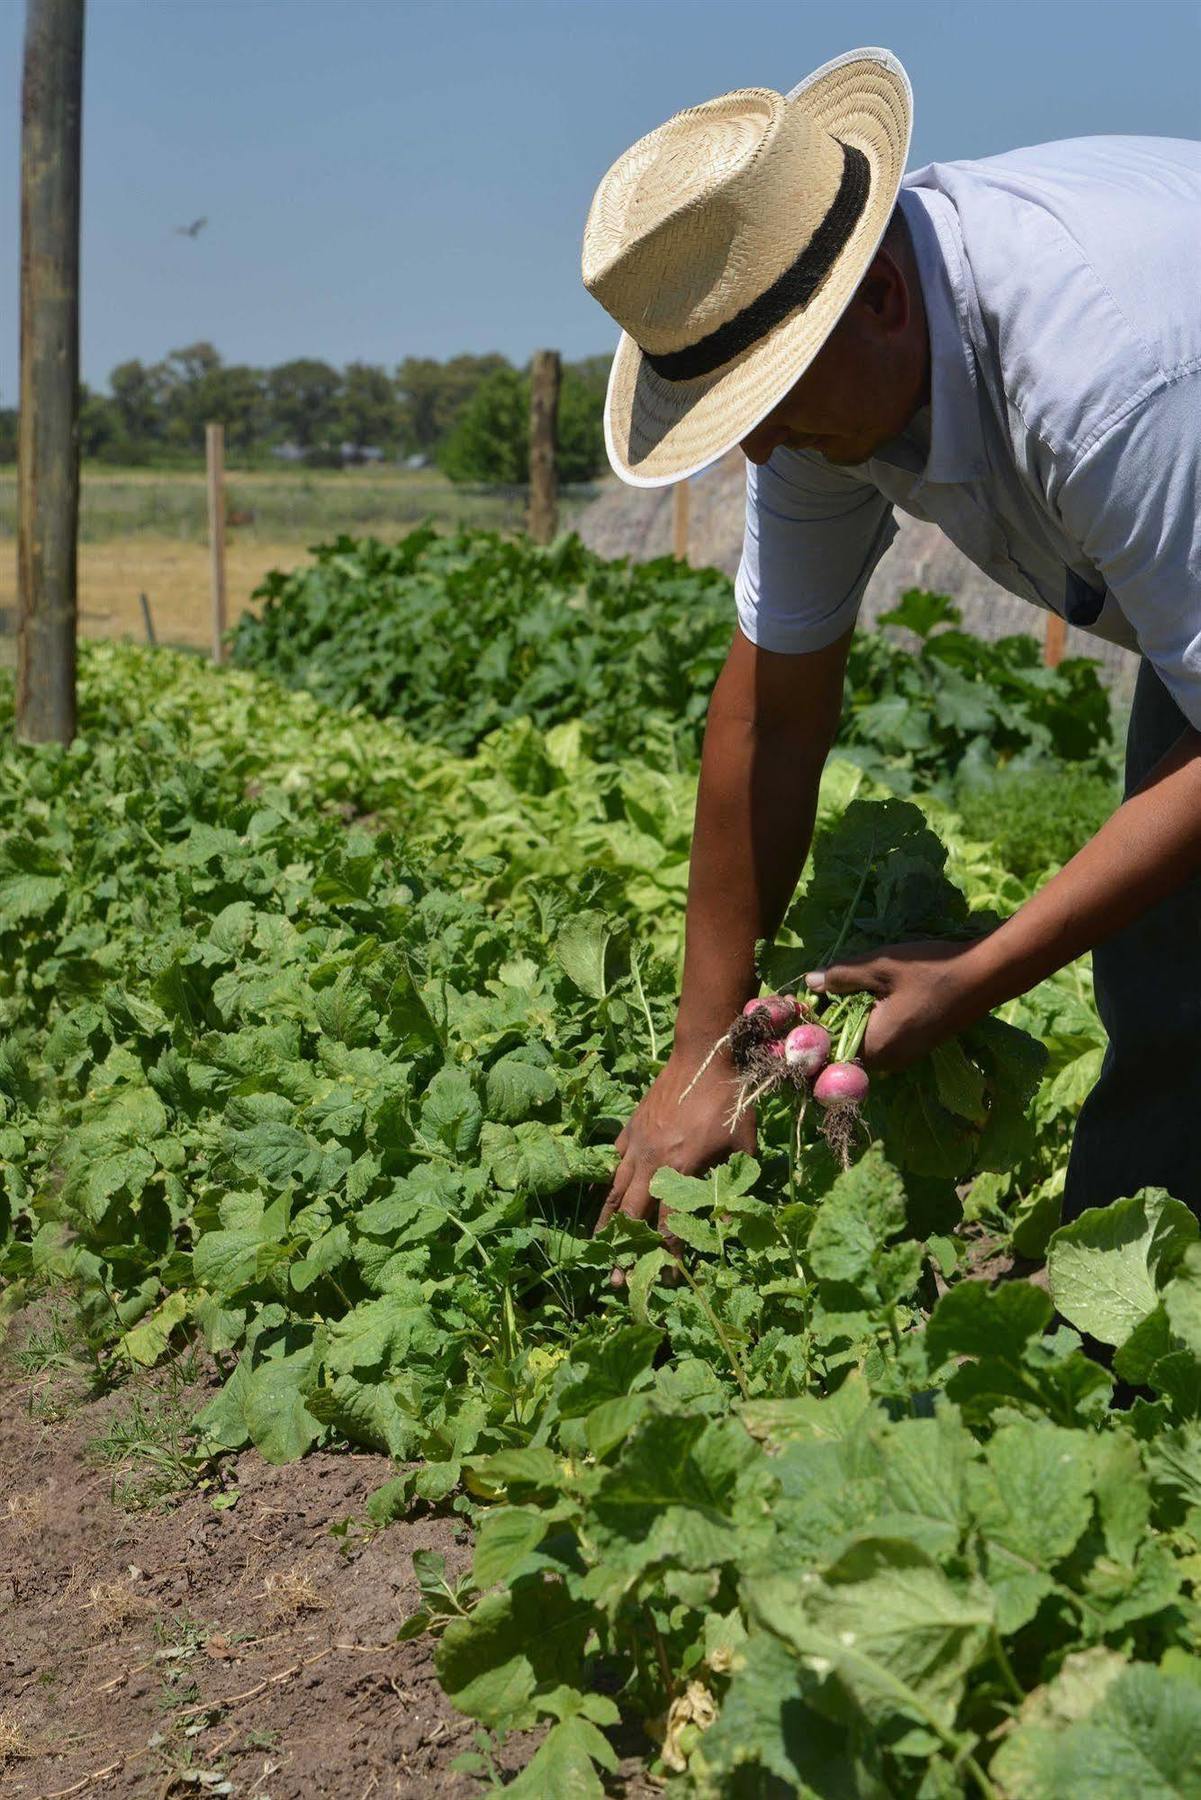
(814, 534)
(1133, 503)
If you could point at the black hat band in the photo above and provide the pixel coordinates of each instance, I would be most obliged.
(793, 289)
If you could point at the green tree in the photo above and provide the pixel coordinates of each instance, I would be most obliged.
(101, 433)
(368, 409)
(138, 397)
(432, 395)
(490, 440)
(190, 388)
(236, 398)
(303, 398)
(581, 453)
(8, 434)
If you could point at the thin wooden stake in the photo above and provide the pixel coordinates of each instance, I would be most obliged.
(1056, 641)
(48, 428)
(545, 376)
(147, 620)
(214, 444)
(680, 508)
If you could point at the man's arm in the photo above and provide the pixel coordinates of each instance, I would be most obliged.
(771, 722)
(1131, 504)
(1149, 848)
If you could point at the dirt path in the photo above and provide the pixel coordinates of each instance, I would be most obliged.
(188, 1649)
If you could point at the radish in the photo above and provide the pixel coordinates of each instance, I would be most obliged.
(841, 1084)
(760, 1022)
(781, 1010)
(840, 1090)
(807, 1049)
(776, 1043)
(764, 1069)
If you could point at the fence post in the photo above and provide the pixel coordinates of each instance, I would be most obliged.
(48, 427)
(214, 445)
(544, 420)
(1056, 640)
(681, 495)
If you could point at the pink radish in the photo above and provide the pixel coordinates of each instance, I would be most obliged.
(759, 1022)
(781, 1010)
(807, 1049)
(841, 1084)
(840, 1090)
(756, 1042)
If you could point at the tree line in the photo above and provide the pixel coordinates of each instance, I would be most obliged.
(468, 415)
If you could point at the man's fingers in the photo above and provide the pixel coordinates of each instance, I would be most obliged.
(854, 977)
(672, 1245)
(636, 1202)
(630, 1194)
(613, 1199)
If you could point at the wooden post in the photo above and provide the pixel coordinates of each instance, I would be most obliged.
(214, 444)
(544, 420)
(1056, 641)
(680, 498)
(147, 620)
(48, 427)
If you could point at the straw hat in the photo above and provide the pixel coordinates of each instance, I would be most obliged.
(727, 243)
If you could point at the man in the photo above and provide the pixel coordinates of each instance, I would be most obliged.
(1012, 348)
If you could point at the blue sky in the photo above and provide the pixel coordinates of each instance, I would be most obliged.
(393, 177)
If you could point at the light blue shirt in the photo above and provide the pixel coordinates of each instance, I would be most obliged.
(1061, 449)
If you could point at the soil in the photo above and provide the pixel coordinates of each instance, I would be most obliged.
(169, 1647)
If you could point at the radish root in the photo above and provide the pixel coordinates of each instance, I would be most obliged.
(719, 1045)
(841, 1125)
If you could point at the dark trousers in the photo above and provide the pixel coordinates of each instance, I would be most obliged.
(1141, 1125)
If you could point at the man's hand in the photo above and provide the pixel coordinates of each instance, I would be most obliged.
(925, 994)
(928, 992)
(771, 721)
(669, 1132)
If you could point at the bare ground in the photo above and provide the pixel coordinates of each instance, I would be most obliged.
(183, 1648)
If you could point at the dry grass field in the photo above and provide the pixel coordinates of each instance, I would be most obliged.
(145, 532)
(174, 575)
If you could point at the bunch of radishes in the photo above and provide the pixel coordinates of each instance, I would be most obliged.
(778, 1042)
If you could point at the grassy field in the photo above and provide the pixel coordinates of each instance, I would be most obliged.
(146, 532)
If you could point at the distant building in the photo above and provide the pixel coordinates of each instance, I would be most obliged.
(323, 454)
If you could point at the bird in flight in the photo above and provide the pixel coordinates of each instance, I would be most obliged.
(192, 230)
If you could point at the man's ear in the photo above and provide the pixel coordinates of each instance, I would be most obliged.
(884, 291)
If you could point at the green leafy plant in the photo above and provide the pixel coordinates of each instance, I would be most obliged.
(949, 712)
(314, 1041)
(458, 634)
(1035, 824)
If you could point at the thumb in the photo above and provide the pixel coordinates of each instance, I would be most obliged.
(860, 975)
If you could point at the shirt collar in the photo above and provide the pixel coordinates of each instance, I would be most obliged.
(956, 450)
